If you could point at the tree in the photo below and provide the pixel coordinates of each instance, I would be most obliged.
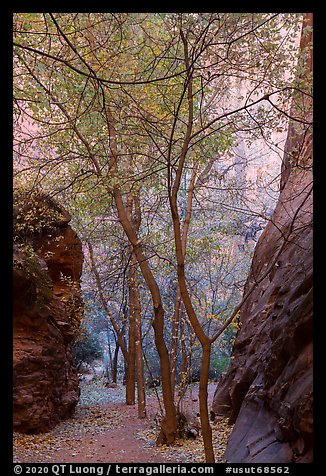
(120, 99)
(87, 348)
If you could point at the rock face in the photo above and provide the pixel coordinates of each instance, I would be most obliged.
(47, 310)
(267, 391)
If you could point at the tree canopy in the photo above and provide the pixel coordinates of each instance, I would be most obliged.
(138, 123)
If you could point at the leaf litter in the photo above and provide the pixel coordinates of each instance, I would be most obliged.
(92, 417)
(191, 450)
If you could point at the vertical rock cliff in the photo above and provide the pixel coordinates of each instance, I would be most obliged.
(267, 391)
(47, 265)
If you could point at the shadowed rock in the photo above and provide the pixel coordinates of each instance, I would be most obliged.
(267, 391)
(47, 310)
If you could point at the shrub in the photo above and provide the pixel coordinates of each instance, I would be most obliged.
(87, 349)
(220, 364)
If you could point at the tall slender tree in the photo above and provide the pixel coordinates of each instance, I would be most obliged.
(121, 98)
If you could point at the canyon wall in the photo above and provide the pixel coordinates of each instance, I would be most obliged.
(47, 308)
(267, 391)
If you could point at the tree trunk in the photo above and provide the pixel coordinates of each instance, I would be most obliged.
(169, 426)
(180, 246)
(169, 431)
(135, 340)
(109, 365)
(203, 394)
(131, 361)
(115, 362)
(141, 397)
(183, 380)
(175, 338)
(119, 333)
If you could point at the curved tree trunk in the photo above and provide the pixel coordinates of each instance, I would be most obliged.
(169, 432)
(169, 425)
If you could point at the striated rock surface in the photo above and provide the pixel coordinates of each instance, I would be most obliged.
(47, 307)
(267, 391)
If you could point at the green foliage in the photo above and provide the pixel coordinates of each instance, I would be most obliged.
(87, 348)
(73, 301)
(40, 284)
(71, 148)
(33, 213)
(220, 361)
(220, 364)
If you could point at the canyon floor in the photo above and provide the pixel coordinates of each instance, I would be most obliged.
(105, 430)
